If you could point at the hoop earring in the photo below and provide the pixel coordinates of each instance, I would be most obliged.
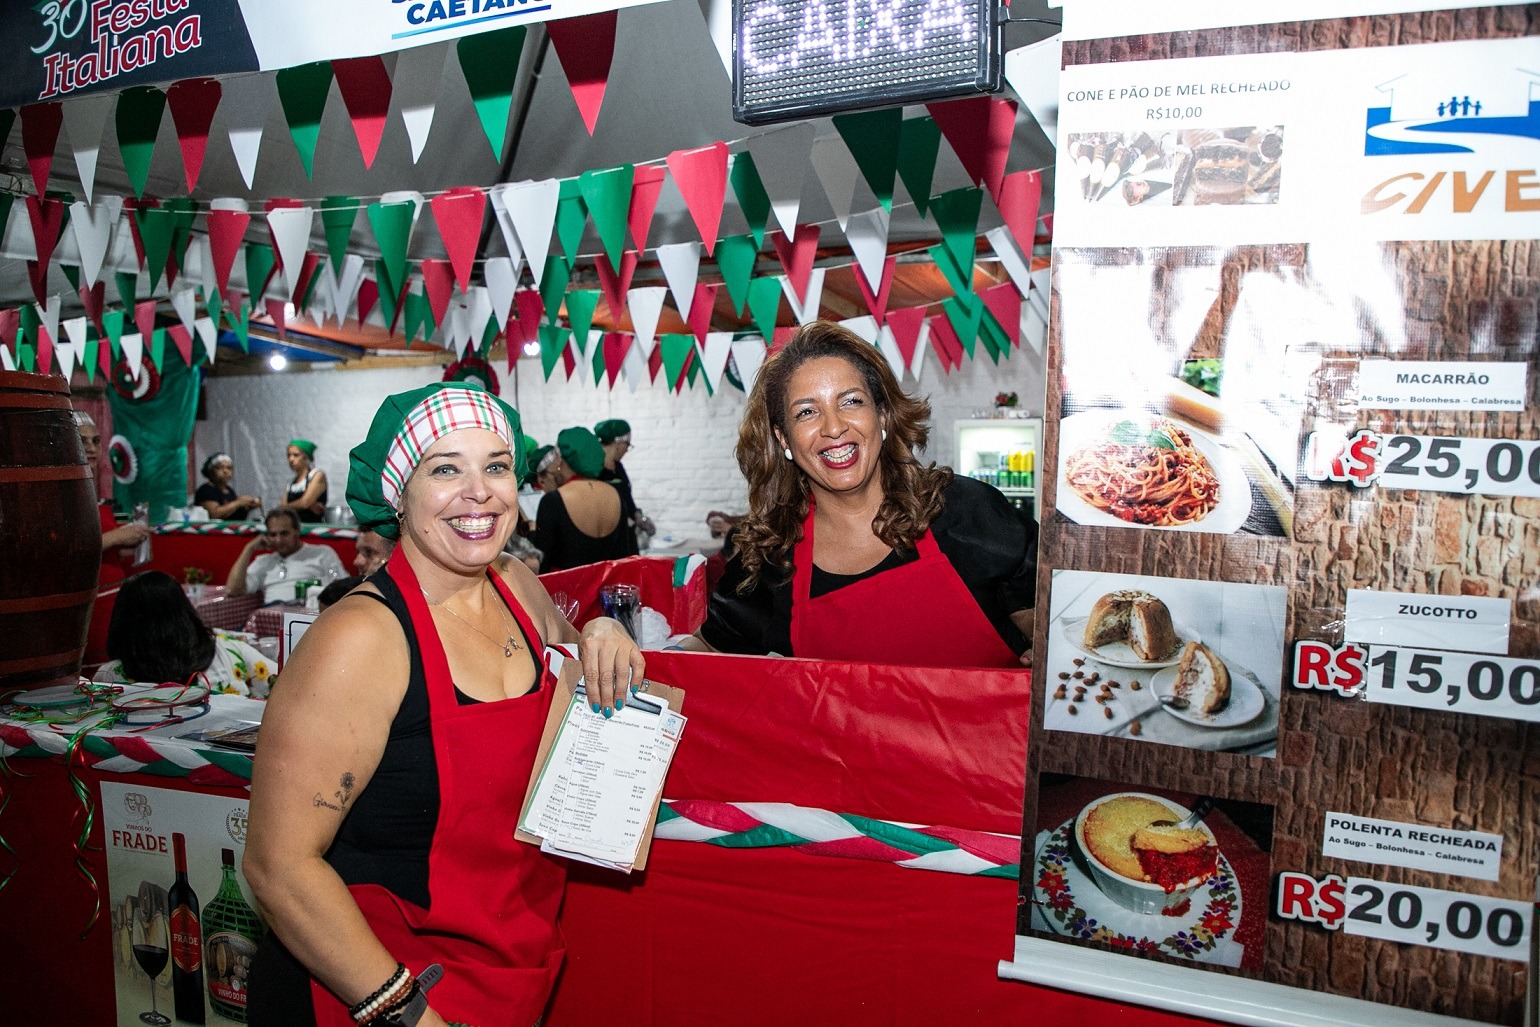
(787, 451)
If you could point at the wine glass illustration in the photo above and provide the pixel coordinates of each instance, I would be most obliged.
(150, 942)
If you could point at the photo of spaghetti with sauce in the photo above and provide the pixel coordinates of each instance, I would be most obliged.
(1144, 471)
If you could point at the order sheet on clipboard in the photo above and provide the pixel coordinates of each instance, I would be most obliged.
(598, 781)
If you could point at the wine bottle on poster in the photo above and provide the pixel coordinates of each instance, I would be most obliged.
(186, 941)
(232, 930)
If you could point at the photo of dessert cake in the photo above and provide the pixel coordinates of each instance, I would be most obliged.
(1133, 616)
(1136, 837)
(1202, 679)
(1188, 167)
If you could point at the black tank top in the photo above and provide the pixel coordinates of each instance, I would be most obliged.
(297, 489)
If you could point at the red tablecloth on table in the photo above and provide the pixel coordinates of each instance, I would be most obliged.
(684, 606)
(214, 547)
(219, 610)
(267, 621)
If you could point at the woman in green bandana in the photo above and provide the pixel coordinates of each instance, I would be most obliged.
(306, 494)
(581, 519)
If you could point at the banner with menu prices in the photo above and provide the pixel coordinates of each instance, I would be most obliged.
(1291, 543)
(184, 929)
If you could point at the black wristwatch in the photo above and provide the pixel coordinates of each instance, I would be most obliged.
(416, 1004)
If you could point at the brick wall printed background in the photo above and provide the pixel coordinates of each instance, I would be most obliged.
(1422, 300)
(681, 465)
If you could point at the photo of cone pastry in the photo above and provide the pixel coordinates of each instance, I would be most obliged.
(1165, 660)
(1189, 167)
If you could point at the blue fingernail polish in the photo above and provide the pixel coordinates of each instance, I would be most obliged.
(633, 689)
(594, 706)
(608, 713)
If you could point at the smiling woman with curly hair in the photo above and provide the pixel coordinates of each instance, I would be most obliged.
(852, 548)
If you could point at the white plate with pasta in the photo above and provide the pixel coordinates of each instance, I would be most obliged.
(1136, 469)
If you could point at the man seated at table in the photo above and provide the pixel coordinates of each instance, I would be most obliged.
(284, 562)
(373, 549)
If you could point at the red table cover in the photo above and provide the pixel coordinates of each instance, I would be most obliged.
(685, 606)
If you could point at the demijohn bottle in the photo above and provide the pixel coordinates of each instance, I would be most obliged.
(186, 941)
(232, 930)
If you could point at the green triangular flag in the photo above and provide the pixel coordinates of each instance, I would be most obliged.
(112, 323)
(695, 372)
(338, 213)
(26, 357)
(212, 302)
(392, 224)
(183, 210)
(490, 61)
(240, 323)
(303, 90)
(157, 348)
(676, 350)
(488, 336)
(72, 273)
(580, 313)
(965, 312)
(957, 215)
(961, 284)
(128, 290)
(607, 194)
(27, 330)
(597, 363)
(918, 143)
(995, 341)
(138, 121)
(735, 258)
(752, 198)
(571, 219)
(260, 262)
(390, 293)
(872, 137)
(553, 285)
(417, 315)
(156, 226)
(89, 357)
(765, 305)
(553, 339)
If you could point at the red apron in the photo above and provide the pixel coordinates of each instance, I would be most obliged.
(492, 921)
(917, 615)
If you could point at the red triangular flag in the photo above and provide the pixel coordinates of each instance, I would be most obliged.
(275, 311)
(94, 299)
(226, 230)
(47, 217)
(131, 207)
(797, 256)
(183, 340)
(39, 136)
(1004, 302)
(1021, 193)
(10, 323)
(646, 184)
(615, 346)
(104, 355)
(365, 87)
(905, 326)
(585, 46)
(306, 273)
(997, 145)
(877, 305)
(979, 132)
(701, 175)
(144, 319)
(44, 350)
(944, 341)
(459, 214)
(616, 284)
(193, 103)
(782, 337)
(438, 282)
(701, 309)
(654, 363)
(569, 362)
(531, 308)
(368, 296)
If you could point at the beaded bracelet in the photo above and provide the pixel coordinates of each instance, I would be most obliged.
(364, 1011)
(395, 997)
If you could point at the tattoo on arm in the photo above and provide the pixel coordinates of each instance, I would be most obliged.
(341, 795)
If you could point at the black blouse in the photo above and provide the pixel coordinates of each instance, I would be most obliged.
(208, 492)
(562, 544)
(991, 545)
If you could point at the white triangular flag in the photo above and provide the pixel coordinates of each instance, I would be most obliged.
(1039, 294)
(806, 309)
(184, 300)
(85, 119)
(889, 349)
(634, 368)
(64, 358)
(133, 350)
(1005, 249)
(749, 356)
(781, 157)
(713, 356)
(681, 267)
(208, 335)
(244, 104)
(646, 305)
(1034, 327)
(502, 282)
(867, 234)
(48, 313)
(498, 196)
(16, 239)
(837, 171)
(291, 235)
(75, 329)
(921, 345)
(7, 362)
(478, 313)
(865, 326)
(458, 331)
(406, 196)
(93, 226)
(344, 287)
(415, 84)
(1033, 73)
(532, 209)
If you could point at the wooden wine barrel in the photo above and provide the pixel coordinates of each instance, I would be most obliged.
(50, 535)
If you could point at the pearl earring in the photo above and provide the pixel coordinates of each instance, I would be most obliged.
(787, 451)
(884, 435)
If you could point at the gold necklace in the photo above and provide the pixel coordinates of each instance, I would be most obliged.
(507, 646)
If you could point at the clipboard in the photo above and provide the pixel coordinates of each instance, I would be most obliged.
(566, 688)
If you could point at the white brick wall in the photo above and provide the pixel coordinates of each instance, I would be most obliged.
(681, 463)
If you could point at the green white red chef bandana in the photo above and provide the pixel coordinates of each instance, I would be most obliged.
(441, 414)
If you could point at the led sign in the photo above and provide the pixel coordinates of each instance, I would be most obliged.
(796, 58)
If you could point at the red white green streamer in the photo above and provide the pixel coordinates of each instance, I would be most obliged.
(819, 832)
(246, 528)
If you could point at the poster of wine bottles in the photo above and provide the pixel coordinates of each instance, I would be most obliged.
(184, 929)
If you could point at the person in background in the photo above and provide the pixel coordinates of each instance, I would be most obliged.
(331, 594)
(396, 751)
(284, 561)
(306, 494)
(615, 436)
(582, 520)
(117, 545)
(372, 550)
(216, 494)
(721, 526)
(542, 468)
(155, 636)
(852, 549)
